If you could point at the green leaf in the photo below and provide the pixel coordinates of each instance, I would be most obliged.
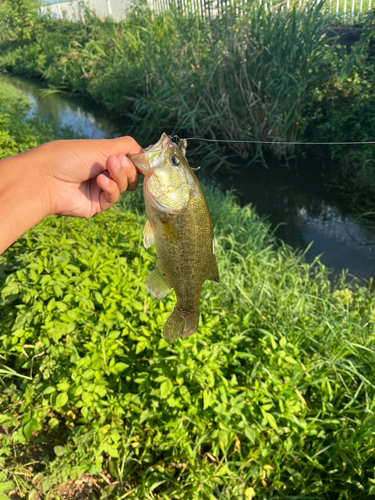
(271, 420)
(111, 450)
(185, 394)
(51, 304)
(88, 374)
(3, 497)
(207, 399)
(165, 388)
(29, 427)
(5, 487)
(4, 418)
(120, 367)
(50, 389)
(101, 390)
(63, 386)
(250, 434)
(290, 359)
(62, 399)
(137, 305)
(141, 346)
(53, 422)
(59, 451)
(87, 398)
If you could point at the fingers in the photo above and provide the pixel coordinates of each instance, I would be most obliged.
(121, 176)
(131, 172)
(110, 194)
(123, 172)
(126, 145)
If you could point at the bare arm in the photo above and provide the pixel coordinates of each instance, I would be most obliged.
(63, 177)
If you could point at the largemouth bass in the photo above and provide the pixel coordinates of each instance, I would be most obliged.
(180, 225)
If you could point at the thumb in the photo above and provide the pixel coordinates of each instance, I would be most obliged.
(126, 145)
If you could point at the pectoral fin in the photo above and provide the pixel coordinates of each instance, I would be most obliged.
(157, 283)
(169, 230)
(148, 235)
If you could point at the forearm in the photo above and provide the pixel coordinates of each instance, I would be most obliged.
(23, 200)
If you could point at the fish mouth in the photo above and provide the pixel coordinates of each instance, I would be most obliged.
(150, 158)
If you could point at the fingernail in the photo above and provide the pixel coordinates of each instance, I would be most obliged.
(116, 164)
(124, 162)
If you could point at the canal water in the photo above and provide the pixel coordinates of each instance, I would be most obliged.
(302, 210)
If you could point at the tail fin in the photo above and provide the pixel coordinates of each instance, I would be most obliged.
(181, 324)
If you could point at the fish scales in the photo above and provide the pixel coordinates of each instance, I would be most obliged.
(180, 225)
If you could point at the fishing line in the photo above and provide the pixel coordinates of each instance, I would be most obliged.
(284, 143)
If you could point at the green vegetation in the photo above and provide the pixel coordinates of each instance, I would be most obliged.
(250, 77)
(16, 134)
(344, 112)
(272, 398)
(18, 131)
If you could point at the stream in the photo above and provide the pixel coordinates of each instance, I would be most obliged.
(302, 209)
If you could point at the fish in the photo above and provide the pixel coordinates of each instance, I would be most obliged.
(180, 225)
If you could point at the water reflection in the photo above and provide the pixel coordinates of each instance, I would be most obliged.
(81, 115)
(303, 210)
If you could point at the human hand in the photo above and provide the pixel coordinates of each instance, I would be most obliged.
(75, 177)
(85, 177)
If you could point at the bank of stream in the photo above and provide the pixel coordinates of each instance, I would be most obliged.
(303, 211)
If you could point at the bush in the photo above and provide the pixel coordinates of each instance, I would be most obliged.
(273, 395)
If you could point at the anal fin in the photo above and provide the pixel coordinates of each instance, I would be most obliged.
(157, 283)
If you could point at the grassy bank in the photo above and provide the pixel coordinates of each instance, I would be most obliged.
(272, 398)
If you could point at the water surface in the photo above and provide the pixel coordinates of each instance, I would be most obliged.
(304, 211)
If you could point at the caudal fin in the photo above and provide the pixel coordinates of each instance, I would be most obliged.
(181, 324)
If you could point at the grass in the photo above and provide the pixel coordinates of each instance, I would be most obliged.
(272, 398)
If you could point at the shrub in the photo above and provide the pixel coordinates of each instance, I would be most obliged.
(274, 394)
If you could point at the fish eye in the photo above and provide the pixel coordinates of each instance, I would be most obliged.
(175, 160)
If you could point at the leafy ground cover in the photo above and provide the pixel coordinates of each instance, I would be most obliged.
(272, 398)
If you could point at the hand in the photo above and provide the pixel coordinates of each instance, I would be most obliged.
(78, 178)
(73, 174)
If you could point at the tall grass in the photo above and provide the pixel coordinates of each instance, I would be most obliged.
(241, 77)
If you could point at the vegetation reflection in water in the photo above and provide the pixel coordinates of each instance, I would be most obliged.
(81, 115)
(304, 211)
